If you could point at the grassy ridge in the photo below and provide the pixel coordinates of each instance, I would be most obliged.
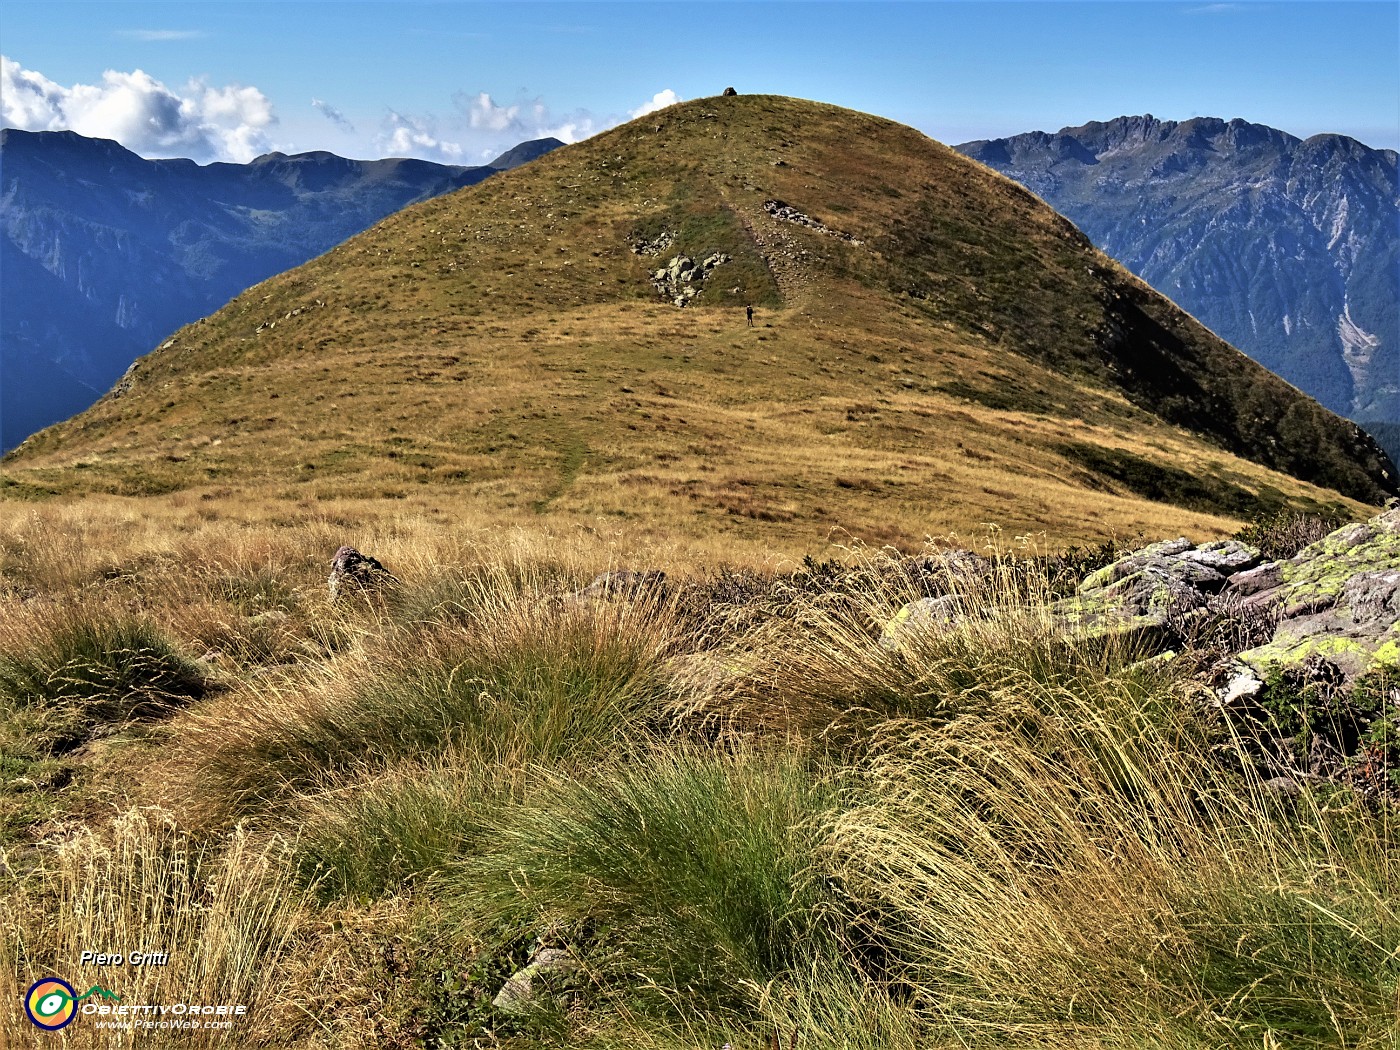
(740, 813)
(919, 367)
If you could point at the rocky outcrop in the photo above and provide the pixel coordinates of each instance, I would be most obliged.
(1332, 610)
(1337, 600)
(1303, 654)
(682, 279)
(1151, 588)
(787, 213)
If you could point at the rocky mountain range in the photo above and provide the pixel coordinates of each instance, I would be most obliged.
(1289, 249)
(105, 253)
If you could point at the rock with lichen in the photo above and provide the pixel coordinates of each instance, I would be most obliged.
(1149, 589)
(1338, 599)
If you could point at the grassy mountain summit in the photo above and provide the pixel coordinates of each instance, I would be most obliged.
(933, 348)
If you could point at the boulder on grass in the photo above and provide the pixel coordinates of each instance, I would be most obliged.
(356, 573)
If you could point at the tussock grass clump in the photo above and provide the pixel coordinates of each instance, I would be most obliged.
(389, 833)
(512, 682)
(682, 879)
(749, 803)
(833, 666)
(70, 674)
(1075, 860)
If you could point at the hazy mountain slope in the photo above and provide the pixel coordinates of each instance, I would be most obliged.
(935, 349)
(1288, 249)
(106, 253)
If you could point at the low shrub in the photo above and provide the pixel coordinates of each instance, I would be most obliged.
(1282, 534)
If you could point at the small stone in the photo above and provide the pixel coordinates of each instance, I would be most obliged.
(1286, 786)
(1245, 685)
(524, 988)
(620, 583)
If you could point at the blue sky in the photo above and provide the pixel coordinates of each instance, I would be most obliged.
(459, 82)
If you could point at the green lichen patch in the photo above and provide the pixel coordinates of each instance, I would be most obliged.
(1317, 576)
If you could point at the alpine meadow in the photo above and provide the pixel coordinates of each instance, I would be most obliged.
(757, 620)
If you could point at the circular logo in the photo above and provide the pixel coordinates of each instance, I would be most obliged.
(51, 1003)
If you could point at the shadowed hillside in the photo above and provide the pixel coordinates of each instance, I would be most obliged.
(934, 349)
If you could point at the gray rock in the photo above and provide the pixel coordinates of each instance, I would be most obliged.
(1337, 599)
(1256, 581)
(682, 279)
(1243, 687)
(625, 584)
(1224, 556)
(1145, 590)
(353, 572)
(525, 989)
(926, 614)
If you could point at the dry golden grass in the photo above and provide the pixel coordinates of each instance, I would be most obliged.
(223, 911)
(485, 394)
(999, 832)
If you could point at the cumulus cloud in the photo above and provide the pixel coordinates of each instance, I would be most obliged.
(332, 114)
(200, 121)
(485, 112)
(407, 136)
(660, 100)
(483, 126)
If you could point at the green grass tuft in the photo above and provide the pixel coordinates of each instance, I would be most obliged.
(75, 676)
(683, 879)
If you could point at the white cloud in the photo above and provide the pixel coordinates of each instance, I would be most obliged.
(481, 126)
(406, 136)
(660, 100)
(484, 112)
(201, 122)
(160, 36)
(332, 114)
(508, 124)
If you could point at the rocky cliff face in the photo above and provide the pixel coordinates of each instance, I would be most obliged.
(1288, 249)
(105, 253)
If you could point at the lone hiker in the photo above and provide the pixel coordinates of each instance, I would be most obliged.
(749, 311)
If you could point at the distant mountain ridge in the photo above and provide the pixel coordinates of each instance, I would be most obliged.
(1287, 248)
(105, 253)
